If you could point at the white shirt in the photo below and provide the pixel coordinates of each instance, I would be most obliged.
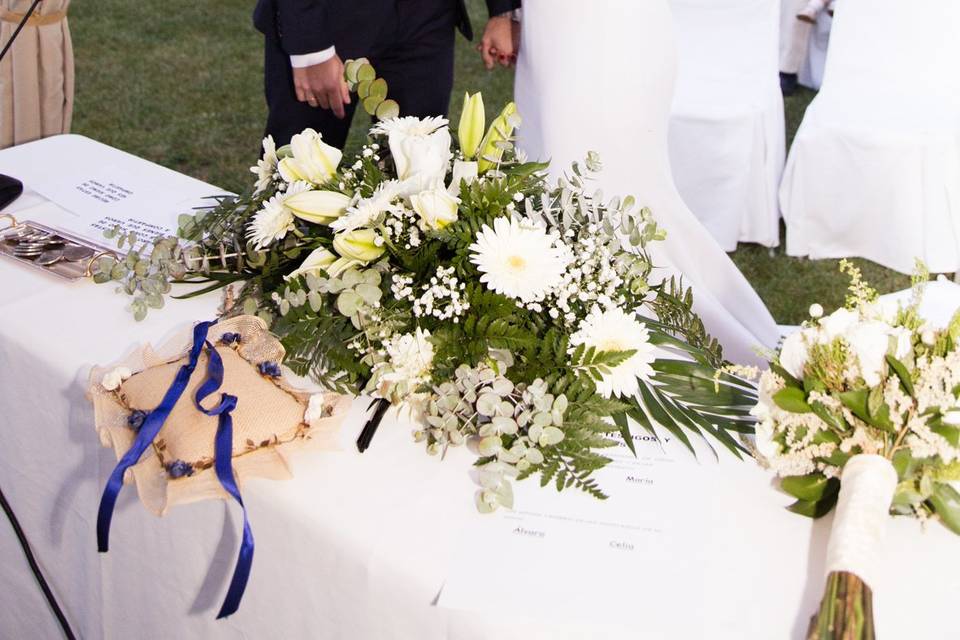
(310, 59)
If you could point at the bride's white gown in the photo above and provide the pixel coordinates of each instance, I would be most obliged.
(599, 77)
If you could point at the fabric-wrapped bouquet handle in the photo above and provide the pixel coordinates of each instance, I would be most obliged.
(856, 544)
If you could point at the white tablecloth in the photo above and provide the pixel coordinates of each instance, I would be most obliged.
(355, 547)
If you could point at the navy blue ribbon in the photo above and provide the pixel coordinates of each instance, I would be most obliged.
(223, 458)
(145, 436)
(223, 455)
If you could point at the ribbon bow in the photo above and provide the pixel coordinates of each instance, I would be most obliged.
(223, 455)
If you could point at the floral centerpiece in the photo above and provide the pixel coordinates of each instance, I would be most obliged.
(860, 410)
(518, 317)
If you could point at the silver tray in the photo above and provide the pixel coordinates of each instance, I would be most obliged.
(21, 240)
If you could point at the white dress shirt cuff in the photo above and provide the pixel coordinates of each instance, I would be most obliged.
(310, 59)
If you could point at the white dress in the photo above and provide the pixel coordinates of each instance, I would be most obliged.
(599, 77)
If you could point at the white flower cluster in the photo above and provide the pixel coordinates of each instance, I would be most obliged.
(873, 379)
(867, 335)
(596, 276)
(442, 298)
(404, 363)
(935, 388)
(565, 269)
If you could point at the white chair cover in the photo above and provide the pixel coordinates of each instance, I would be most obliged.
(875, 168)
(727, 125)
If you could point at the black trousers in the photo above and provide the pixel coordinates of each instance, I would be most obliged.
(413, 53)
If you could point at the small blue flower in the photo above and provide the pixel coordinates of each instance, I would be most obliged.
(179, 468)
(271, 369)
(230, 338)
(136, 418)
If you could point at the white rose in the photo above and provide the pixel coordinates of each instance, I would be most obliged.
(462, 172)
(794, 353)
(420, 150)
(870, 342)
(837, 323)
(436, 208)
(113, 379)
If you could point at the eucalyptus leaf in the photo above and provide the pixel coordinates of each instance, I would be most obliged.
(365, 73)
(371, 294)
(348, 303)
(351, 278)
(350, 68)
(378, 89)
(363, 89)
(387, 110)
(315, 300)
(371, 103)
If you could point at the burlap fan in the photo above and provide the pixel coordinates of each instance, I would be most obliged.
(271, 419)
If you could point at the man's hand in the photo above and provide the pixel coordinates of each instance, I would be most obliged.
(500, 42)
(322, 85)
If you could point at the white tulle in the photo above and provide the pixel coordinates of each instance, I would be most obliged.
(860, 521)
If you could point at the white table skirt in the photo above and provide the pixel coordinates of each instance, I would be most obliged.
(355, 546)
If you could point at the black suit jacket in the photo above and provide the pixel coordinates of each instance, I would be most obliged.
(305, 26)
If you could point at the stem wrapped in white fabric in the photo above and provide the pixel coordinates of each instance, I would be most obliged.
(856, 539)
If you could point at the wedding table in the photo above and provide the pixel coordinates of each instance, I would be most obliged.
(354, 546)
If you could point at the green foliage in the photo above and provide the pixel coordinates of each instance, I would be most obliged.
(823, 496)
(572, 462)
(315, 345)
(677, 326)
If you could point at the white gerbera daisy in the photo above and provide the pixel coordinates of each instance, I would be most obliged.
(267, 165)
(275, 219)
(369, 210)
(520, 261)
(614, 330)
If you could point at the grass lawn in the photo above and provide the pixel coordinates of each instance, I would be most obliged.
(180, 83)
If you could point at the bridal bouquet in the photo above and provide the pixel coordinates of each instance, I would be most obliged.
(512, 316)
(860, 410)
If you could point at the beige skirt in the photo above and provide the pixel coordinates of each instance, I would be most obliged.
(36, 75)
